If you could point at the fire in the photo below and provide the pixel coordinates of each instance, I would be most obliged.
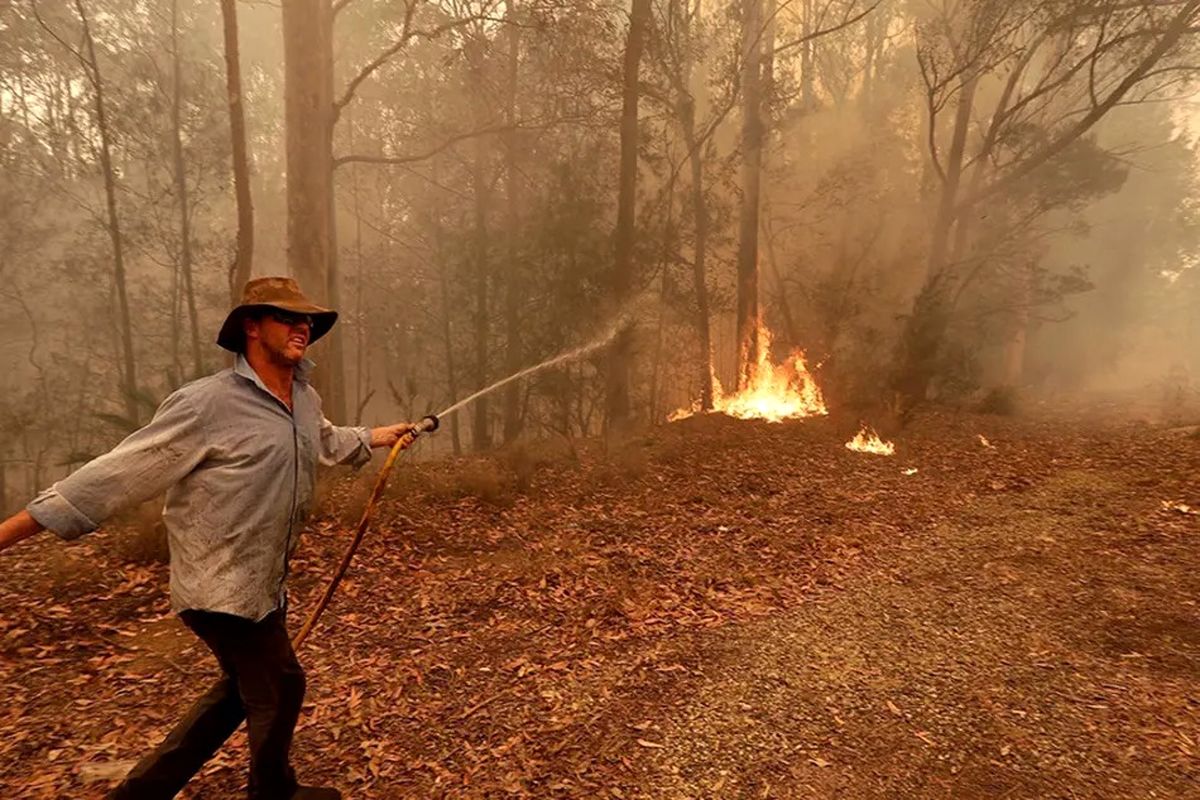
(774, 392)
(868, 441)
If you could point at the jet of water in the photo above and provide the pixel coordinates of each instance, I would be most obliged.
(600, 341)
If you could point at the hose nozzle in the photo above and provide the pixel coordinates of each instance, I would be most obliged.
(428, 424)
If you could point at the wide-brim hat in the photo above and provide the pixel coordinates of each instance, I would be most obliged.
(273, 292)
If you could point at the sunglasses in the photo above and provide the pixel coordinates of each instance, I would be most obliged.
(290, 318)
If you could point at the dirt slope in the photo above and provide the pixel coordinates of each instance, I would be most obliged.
(718, 609)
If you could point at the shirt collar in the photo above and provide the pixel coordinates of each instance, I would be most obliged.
(242, 367)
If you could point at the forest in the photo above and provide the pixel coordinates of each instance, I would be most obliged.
(721, 237)
(932, 200)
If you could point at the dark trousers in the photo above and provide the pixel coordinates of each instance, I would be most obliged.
(263, 685)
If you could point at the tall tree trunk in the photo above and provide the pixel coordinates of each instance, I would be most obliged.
(439, 255)
(308, 102)
(687, 124)
(765, 229)
(930, 317)
(664, 293)
(360, 316)
(620, 355)
(243, 263)
(480, 434)
(752, 141)
(129, 383)
(948, 200)
(1015, 347)
(513, 276)
(181, 189)
(808, 67)
(699, 261)
(790, 329)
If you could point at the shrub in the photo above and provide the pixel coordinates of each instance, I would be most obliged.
(1002, 400)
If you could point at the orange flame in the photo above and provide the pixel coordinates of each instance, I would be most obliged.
(773, 392)
(868, 441)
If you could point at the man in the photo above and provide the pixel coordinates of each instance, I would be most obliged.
(236, 453)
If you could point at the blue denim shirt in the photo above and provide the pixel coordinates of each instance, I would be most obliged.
(238, 470)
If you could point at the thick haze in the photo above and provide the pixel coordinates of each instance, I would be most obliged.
(955, 197)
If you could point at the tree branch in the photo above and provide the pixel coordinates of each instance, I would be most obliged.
(1174, 32)
(407, 34)
(444, 146)
(845, 23)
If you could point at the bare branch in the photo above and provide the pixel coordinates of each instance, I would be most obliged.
(845, 23)
(87, 65)
(366, 72)
(444, 146)
(1183, 20)
(407, 34)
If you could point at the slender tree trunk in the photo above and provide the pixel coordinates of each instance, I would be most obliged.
(617, 385)
(668, 247)
(181, 189)
(480, 433)
(513, 276)
(700, 276)
(360, 316)
(687, 124)
(752, 142)
(128, 363)
(1014, 349)
(927, 324)
(447, 330)
(765, 229)
(177, 370)
(948, 200)
(808, 69)
(790, 329)
(243, 263)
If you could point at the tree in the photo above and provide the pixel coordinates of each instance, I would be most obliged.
(243, 262)
(91, 67)
(181, 190)
(617, 393)
(1060, 69)
(309, 109)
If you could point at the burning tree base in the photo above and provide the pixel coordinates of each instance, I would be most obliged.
(773, 392)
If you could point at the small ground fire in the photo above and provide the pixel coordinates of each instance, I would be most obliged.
(868, 441)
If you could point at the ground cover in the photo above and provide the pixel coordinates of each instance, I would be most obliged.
(717, 608)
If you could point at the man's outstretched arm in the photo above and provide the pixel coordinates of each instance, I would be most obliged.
(146, 463)
(18, 527)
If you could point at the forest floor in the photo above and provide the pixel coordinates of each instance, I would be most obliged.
(716, 609)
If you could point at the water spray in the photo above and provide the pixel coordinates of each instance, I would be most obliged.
(430, 424)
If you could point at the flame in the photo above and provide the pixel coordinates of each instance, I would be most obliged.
(773, 392)
(983, 440)
(868, 441)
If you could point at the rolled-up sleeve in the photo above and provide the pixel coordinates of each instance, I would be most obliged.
(145, 464)
(344, 445)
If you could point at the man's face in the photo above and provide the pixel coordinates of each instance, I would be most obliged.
(282, 334)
